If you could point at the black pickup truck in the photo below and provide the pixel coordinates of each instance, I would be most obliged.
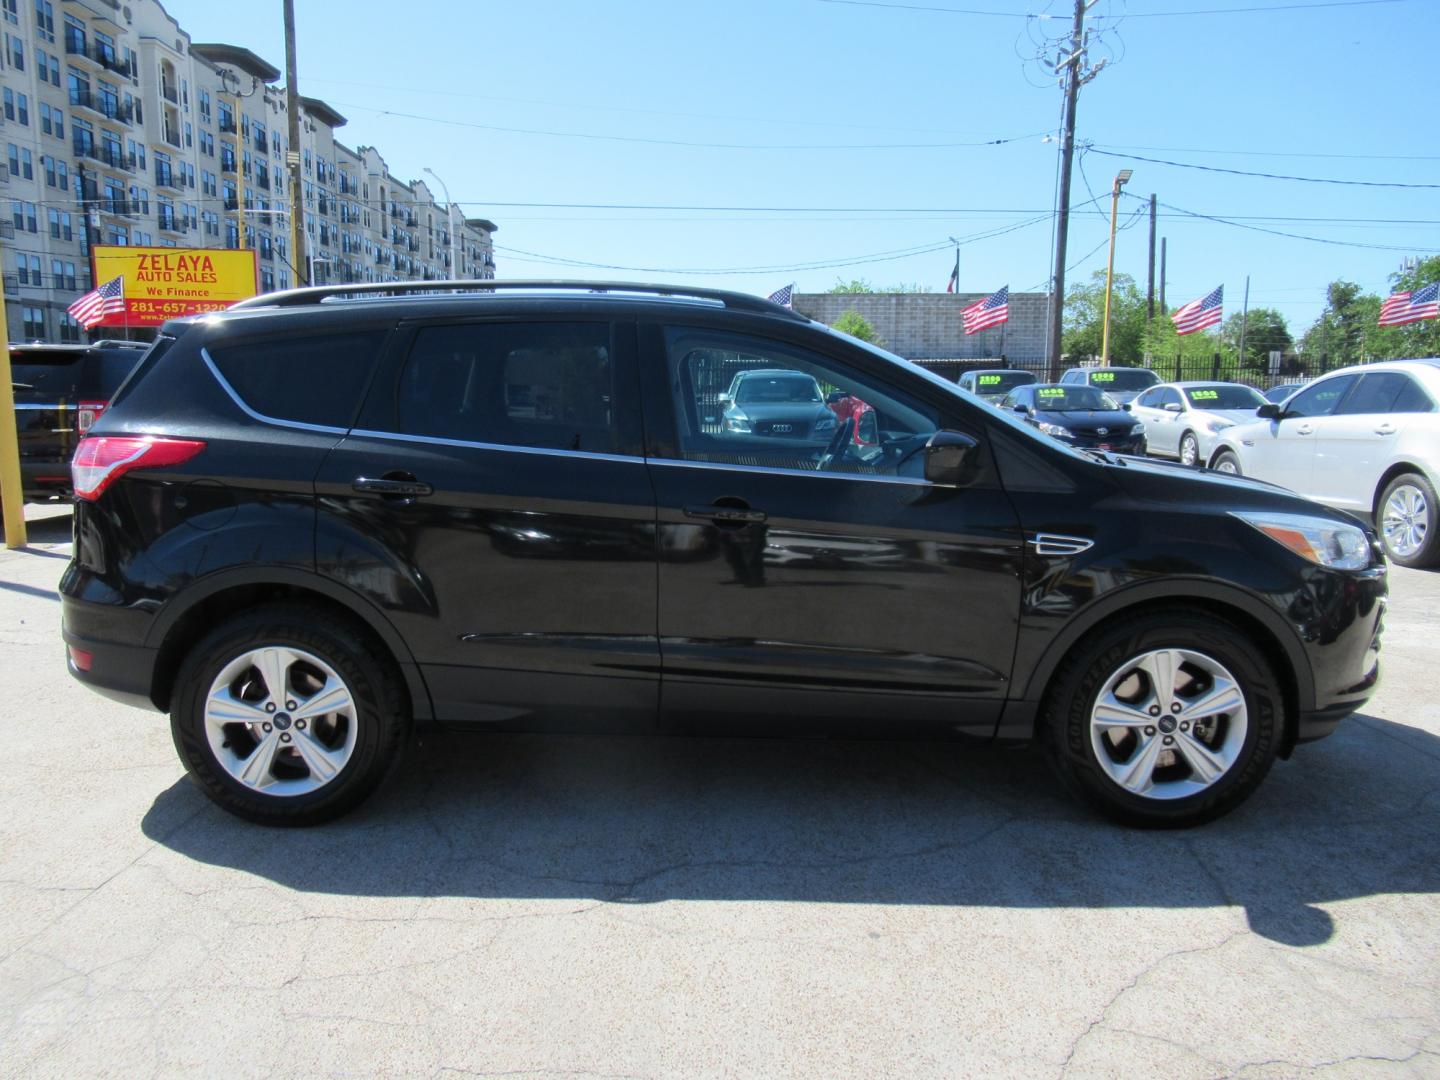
(60, 390)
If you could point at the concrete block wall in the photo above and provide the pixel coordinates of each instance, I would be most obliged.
(927, 326)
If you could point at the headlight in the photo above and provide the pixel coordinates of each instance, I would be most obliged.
(738, 422)
(1213, 426)
(1053, 429)
(825, 423)
(1329, 543)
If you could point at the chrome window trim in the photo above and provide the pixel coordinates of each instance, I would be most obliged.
(298, 425)
(464, 444)
(908, 481)
(56, 406)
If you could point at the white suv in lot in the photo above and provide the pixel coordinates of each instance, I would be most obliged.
(1363, 439)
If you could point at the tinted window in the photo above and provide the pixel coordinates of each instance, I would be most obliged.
(1123, 379)
(1149, 400)
(1002, 382)
(46, 376)
(1168, 396)
(1320, 398)
(513, 384)
(113, 365)
(1062, 398)
(310, 380)
(1223, 396)
(1412, 398)
(843, 420)
(1374, 393)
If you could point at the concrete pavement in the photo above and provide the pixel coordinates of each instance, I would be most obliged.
(626, 907)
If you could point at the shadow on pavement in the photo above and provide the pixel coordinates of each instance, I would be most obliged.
(639, 820)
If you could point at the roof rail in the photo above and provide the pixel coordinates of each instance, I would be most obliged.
(301, 297)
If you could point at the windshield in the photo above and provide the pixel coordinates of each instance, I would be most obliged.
(1001, 382)
(1223, 396)
(765, 389)
(1070, 397)
(1124, 379)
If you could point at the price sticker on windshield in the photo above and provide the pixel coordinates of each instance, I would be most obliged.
(1102, 376)
(989, 380)
(1051, 392)
(1205, 395)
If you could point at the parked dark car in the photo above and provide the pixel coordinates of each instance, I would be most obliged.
(1079, 416)
(323, 516)
(60, 391)
(1121, 383)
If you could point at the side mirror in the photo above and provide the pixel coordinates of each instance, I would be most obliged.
(1021, 407)
(1269, 411)
(1125, 405)
(1171, 406)
(945, 456)
(725, 399)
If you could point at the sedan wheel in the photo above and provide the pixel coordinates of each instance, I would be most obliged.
(1408, 521)
(1189, 449)
(1227, 463)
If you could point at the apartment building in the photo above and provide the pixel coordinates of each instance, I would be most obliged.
(117, 129)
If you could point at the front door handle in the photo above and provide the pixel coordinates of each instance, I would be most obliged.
(393, 485)
(1385, 429)
(726, 515)
(1306, 430)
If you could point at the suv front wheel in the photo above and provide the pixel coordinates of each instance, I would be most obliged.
(1167, 721)
(287, 717)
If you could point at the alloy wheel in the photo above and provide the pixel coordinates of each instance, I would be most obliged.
(280, 721)
(1189, 450)
(1168, 723)
(1405, 521)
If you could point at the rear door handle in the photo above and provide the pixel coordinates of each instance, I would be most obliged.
(401, 486)
(730, 515)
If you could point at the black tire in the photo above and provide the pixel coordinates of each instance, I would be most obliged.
(1224, 458)
(381, 711)
(1429, 551)
(1081, 677)
(1189, 437)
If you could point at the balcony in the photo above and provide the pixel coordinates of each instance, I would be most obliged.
(171, 135)
(262, 179)
(260, 143)
(227, 125)
(232, 203)
(169, 221)
(102, 105)
(167, 177)
(169, 93)
(228, 165)
(381, 258)
(121, 207)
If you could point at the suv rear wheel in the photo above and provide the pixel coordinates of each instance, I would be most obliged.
(285, 716)
(1165, 722)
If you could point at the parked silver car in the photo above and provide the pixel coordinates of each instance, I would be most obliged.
(1183, 420)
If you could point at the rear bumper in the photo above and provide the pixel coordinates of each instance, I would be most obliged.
(120, 672)
(45, 480)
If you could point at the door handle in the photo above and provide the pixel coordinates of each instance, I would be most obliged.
(393, 485)
(1306, 430)
(726, 515)
(1385, 429)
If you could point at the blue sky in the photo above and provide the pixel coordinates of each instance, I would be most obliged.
(791, 98)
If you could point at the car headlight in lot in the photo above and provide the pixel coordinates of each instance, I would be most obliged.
(825, 423)
(1329, 543)
(1215, 426)
(736, 422)
(1053, 429)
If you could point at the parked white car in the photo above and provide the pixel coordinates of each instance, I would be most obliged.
(1363, 439)
(1182, 420)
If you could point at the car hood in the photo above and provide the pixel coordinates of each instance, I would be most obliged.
(1117, 420)
(1172, 483)
(1122, 396)
(1230, 416)
(782, 410)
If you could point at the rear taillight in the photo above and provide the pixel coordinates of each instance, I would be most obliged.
(86, 413)
(100, 460)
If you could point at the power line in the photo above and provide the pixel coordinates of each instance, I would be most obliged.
(1272, 153)
(688, 143)
(1315, 4)
(1290, 235)
(1263, 175)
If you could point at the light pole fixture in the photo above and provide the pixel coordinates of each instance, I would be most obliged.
(449, 220)
(1121, 179)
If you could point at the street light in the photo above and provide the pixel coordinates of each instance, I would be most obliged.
(455, 271)
(1121, 179)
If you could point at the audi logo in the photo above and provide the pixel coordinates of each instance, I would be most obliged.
(781, 427)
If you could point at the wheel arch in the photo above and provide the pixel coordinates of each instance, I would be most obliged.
(1264, 626)
(1220, 448)
(179, 626)
(1396, 469)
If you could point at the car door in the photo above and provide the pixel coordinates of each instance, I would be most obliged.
(829, 581)
(1162, 419)
(1354, 444)
(493, 501)
(1282, 451)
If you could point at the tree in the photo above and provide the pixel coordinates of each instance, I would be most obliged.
(1340, 334)
(857, 326)
(1085, 318)
(854, 285)
(1265, 331)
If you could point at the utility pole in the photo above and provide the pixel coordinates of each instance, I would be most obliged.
(1073, 68)
(292, 159)
(1244, 321)
(1150, 289)
(1162, 275)
(1121, 179)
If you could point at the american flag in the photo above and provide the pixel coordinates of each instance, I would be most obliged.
(1198, 314)
(1406, 307)
(991, 311)
(784, 296)
(108, 299)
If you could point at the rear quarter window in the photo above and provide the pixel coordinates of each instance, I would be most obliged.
(308, 380)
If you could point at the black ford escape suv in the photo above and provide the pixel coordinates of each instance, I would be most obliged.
(323, 515)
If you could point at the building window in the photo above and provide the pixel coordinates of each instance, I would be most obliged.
(12, 11)
(34, 323)
(60, 225)
(23, 214)
(15, 51)
(204, 101)
(69, 329)
(44, 19)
